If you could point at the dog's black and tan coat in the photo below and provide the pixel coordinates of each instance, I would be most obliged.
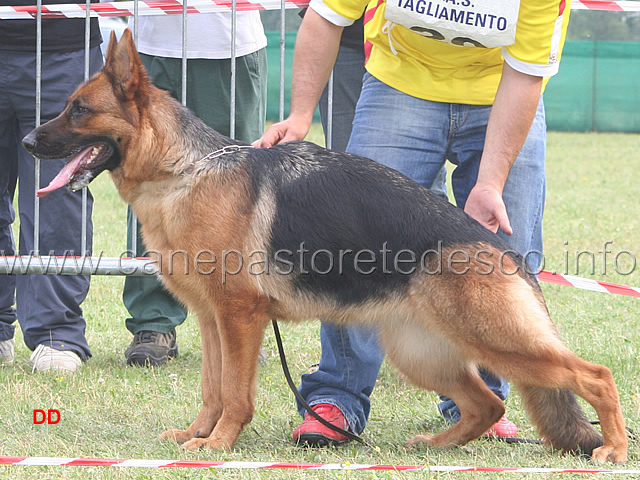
(309, 233)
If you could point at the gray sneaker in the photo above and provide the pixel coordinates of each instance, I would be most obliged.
(6, 351)
(150, 349)
(46, 358)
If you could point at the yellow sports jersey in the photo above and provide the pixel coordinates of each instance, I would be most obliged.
(431, 69)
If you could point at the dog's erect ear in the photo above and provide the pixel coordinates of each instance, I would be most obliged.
(113, 40)
(124, 68)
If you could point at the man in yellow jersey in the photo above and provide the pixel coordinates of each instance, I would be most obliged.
(455, 80)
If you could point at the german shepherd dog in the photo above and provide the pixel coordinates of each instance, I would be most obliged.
(327, 226)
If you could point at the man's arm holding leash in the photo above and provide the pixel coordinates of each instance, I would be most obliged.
(315, 54)
(510, 120)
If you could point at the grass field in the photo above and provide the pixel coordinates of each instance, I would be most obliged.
(109, 410)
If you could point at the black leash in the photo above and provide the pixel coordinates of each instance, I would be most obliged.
(299, 396)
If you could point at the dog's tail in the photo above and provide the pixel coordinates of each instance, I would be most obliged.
(559, 420)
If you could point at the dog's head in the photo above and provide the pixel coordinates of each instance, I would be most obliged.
(98, 122)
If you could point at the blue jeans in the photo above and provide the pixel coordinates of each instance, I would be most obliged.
(415, 137)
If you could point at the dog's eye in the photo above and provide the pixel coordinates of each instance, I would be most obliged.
(78, 110)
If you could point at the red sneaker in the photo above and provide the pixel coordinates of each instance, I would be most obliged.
(504, 428)
(313, 433)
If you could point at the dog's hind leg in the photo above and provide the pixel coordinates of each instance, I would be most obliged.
(433, 363)
(499, 320)
(479, 408)
(546, 385)
(211, 410)
(521, 343)
(241, 323)
(514, 337)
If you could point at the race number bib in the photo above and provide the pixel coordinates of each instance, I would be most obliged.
(465, 23)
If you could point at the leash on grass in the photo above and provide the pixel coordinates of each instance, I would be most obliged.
(300, 398)
(353, 436)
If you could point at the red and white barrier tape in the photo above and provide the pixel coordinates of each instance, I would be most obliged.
(588, 284)
(164, 7)
(105, 462)
(605, 5)
(149, 7)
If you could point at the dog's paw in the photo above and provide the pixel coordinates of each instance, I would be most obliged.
(608, 453)
(418, 439)
(437, 441)
(194, 444)
(210, 443)
(175, 435)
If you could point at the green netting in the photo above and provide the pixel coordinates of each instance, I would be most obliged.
(597, 88)
(618, 87)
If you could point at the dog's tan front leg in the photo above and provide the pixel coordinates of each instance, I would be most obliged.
(211, 410)
(241, 328)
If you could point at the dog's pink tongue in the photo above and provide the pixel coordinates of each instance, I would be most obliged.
(65, 174)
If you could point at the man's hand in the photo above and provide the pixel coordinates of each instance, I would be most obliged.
(317, 44)
(285, 131)
(485, 205)
(510, 120)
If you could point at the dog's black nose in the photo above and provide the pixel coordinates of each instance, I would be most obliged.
(30, 140)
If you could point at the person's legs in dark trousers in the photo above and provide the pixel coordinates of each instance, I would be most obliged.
(8, 178)
(48, 306)
(154, 312)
